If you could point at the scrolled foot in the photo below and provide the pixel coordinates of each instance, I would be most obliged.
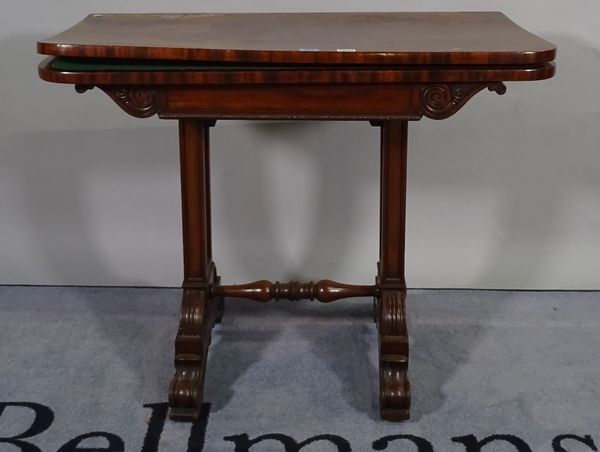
(394, 400)
(394, 387)
(185, 393)
(198, 315)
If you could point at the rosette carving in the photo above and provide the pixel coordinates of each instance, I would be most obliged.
(443, 100)
(139, 102)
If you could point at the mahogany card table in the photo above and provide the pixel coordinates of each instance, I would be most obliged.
(385, 68)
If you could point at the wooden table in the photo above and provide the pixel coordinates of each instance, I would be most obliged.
(386, 68)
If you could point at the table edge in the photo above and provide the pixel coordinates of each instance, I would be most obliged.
(385, 75)
(302, 57)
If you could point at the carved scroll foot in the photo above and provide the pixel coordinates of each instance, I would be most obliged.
(198, 315)
(394, 387)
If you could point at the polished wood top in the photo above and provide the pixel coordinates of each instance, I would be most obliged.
(449, 38)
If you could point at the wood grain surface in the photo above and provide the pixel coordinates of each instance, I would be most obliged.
(325, 38)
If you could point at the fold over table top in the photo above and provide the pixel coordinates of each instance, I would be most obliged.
(295, 48)
(383, 38)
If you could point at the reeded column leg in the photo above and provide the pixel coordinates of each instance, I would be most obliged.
(394, 398)
(199, 312)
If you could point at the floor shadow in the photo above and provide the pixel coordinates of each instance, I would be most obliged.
(232, 352)
(246, 331)
(351, 356)
(140, 324)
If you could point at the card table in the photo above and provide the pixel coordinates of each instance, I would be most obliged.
(387, 68)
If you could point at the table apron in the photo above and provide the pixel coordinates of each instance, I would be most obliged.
(293, 102)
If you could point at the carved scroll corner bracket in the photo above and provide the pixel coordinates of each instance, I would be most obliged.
(441, 101)
(141, 102)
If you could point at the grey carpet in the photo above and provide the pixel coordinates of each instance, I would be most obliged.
(483, 363)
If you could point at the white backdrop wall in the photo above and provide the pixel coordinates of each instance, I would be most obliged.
(506, 194)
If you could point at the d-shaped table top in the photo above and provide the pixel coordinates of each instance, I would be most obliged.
(382, 38)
